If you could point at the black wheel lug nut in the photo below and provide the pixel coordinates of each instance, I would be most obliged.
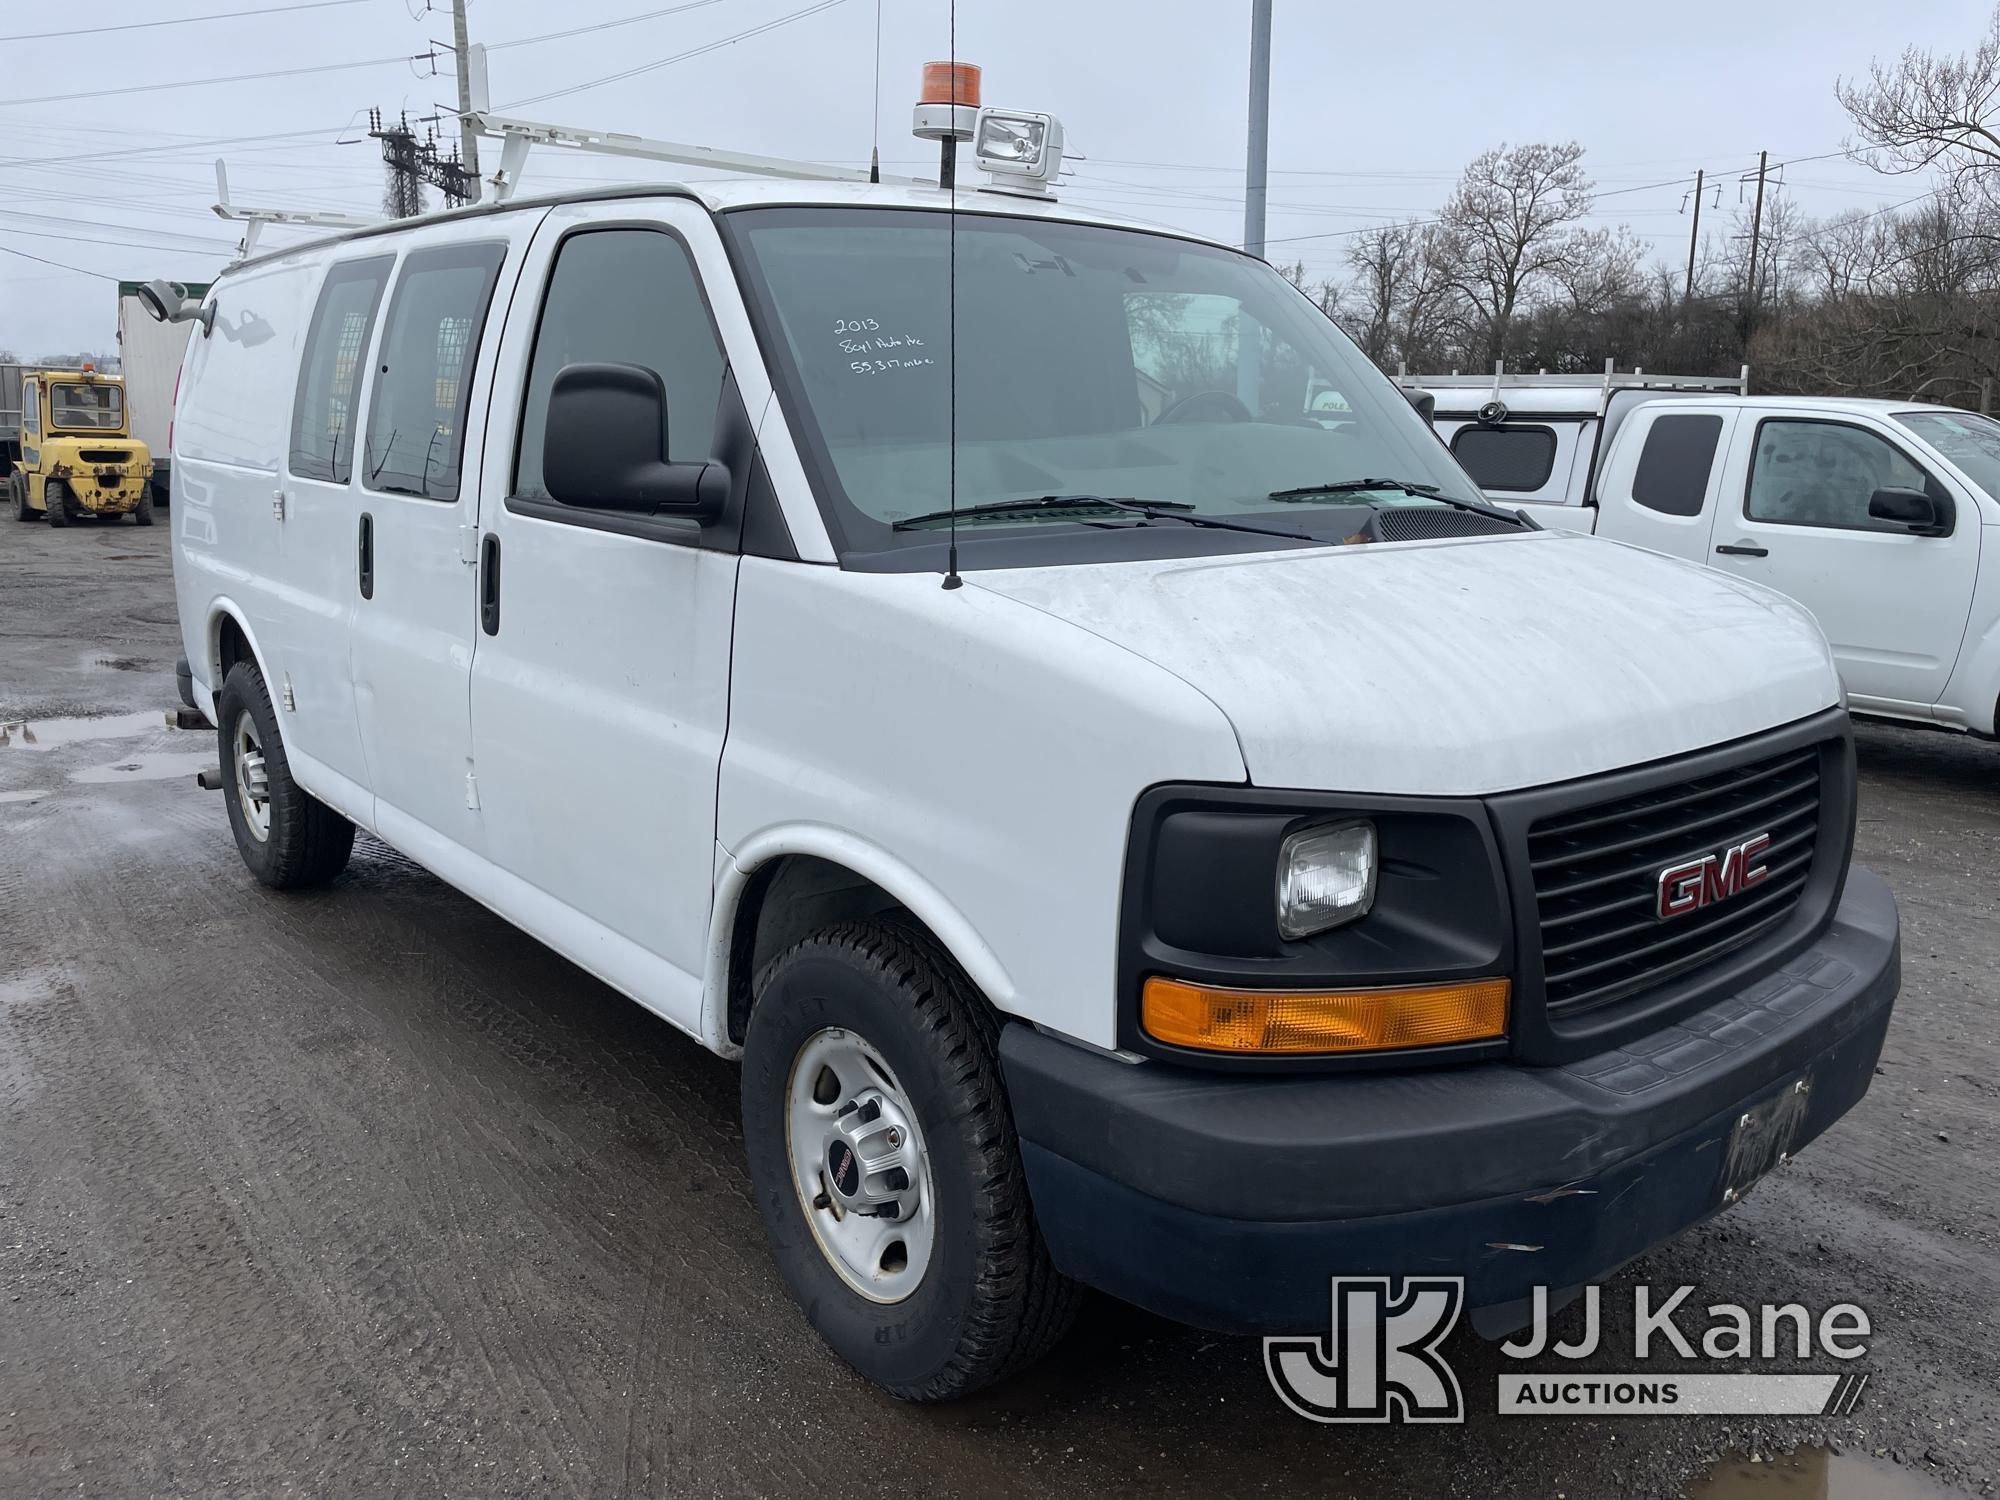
(820, 1200)
(888, 1211)
(896, 1179)
(871, 1111)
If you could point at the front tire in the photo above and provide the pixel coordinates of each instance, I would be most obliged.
(17, 492)
(886, 1167)
(288, 838)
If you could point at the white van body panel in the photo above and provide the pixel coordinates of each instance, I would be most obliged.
(1472, 620)
(967, 738)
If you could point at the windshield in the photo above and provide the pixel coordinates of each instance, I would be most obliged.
(1973, 443)
(1090, 361)
(96, 407)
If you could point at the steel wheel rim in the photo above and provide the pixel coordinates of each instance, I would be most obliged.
(881, 1258)
(253, 777)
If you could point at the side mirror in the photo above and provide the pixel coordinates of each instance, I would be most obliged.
(1425, 403)
(606, 443)
(1923, 513)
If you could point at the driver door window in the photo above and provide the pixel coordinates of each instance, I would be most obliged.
(1815, 473)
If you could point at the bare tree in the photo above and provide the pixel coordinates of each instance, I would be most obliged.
(1400, 295)
(1511, 224)
(1929, 110)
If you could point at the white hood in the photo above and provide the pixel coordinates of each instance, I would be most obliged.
(1462, 667)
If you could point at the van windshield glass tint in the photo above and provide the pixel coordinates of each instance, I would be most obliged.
(1973, 443)
(1090, 360)
(92, 407)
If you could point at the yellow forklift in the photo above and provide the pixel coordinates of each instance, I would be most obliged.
(77, 457)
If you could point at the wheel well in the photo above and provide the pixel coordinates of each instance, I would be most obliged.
(231, 646)
(787, 899)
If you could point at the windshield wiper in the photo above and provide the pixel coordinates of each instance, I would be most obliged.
(1151, 510)
(1425, 491)
(1028, 507)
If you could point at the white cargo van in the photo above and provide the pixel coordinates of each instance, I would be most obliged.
(1872, 514)
(1141, 822)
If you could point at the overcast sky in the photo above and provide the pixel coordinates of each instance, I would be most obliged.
(1374, 108)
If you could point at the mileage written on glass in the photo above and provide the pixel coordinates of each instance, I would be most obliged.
(873, 350)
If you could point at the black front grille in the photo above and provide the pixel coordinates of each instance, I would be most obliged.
(1596, 874)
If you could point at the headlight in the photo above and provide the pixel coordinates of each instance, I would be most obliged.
(1326, 876)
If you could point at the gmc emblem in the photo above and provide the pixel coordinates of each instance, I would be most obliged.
(1695, 883)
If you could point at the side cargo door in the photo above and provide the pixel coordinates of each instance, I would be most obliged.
(1660, 483)
(1893, 604)
(600, 678)
(415, 542)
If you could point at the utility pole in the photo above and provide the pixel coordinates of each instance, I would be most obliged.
(1256, 174)
(1756, 230)
(1256, 170)
(468, 138)
(1694, 241)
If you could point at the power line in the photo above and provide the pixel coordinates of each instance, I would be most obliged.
(124, 152)
(44, 260)
(577, 88)
(190, 83)
(556, 36)
(220, 15)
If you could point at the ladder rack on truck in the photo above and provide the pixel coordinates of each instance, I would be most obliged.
(1613, 380)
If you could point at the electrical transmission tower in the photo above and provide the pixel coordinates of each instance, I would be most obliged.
(412, 163)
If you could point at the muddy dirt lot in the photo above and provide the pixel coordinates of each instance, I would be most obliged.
(364, 1192)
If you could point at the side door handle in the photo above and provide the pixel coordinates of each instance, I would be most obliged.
(367, 560)
(1743, 549)
(489, 584)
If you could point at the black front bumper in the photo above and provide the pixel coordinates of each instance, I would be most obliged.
(1227, 1201)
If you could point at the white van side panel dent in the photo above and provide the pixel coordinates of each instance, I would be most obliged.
(996, 750)
(1427, 668)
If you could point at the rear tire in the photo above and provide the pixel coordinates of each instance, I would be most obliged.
(143, 516)
(55, 502)
(891, 1032)
(288, 838)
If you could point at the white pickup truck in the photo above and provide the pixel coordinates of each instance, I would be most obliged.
(1870, 513)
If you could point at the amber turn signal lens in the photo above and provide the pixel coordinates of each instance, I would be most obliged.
(1279, 1021)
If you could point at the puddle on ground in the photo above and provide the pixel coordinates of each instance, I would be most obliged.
(46, 734)
(1813, 1474)
(148, 767)
(29, 988)
(28, 794)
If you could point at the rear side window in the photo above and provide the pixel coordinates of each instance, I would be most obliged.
(423, 382)
(330, 371)
(1506, 458)
(1672, 477)
(627, 297)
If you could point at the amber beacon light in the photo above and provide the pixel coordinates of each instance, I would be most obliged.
(1206, 1018)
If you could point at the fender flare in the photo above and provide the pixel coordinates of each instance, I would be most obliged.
(869, 860)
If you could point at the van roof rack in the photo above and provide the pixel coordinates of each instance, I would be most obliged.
(1613, 379)
(516, 136)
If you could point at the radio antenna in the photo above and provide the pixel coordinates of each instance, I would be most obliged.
(875, 142)
(949, 174)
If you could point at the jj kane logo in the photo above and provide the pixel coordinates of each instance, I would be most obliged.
(1380, 1359)
(1380, 1362)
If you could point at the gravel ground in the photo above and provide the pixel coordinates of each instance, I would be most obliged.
(364, 1192)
